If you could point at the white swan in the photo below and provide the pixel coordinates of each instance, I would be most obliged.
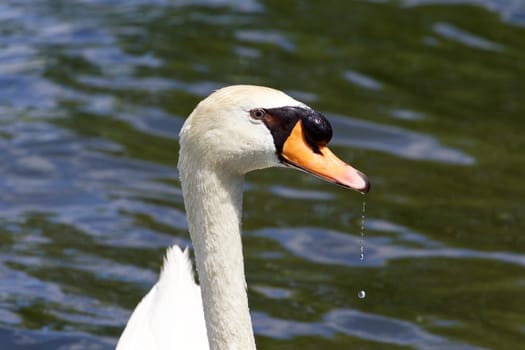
(235, 130)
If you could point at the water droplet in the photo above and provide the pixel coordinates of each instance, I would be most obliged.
(362, 294)
(362, 233)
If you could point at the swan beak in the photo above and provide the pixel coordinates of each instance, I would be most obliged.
(321, 162)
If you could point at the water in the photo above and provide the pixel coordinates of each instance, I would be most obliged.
(362, 233)
(425, 97)
(361, 294)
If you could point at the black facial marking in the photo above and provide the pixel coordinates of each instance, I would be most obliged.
(317, 128)
(280, 121)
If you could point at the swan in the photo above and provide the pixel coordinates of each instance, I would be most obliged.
(235, 130)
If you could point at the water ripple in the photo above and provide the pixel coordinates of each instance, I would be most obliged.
(362, 80)
(394, 140)
(356, 324)
(450, 31)
(511, 10)
(388, 330)
(332, 247)
(265, 37)
(44, 339)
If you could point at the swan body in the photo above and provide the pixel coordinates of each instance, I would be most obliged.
(171, 313)
(235, 130)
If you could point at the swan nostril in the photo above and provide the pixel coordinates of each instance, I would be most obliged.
(317, 128)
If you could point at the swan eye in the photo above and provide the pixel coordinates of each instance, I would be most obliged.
(258, 113)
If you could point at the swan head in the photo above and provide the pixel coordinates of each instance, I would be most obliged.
(242, 128)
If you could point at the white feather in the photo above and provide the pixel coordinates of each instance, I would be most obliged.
(170, 316)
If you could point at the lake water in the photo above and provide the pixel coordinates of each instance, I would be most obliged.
(426, 97)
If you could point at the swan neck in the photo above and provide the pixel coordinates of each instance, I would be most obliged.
(213, 201)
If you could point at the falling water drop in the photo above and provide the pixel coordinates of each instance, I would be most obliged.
(362, 294)
(362, 239)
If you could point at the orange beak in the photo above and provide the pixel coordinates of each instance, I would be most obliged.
(325, 165)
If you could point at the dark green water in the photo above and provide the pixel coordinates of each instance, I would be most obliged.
(426, 98)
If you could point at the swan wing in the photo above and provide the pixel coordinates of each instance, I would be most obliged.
(171, 315)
